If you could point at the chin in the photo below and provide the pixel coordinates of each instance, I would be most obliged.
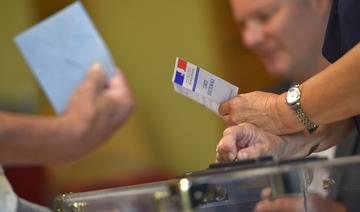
(277, 72)
(277, 64)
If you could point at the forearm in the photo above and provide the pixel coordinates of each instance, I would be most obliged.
(37, 140)
(334, 94)
(330, 96)
(326, 136)
(335, 133)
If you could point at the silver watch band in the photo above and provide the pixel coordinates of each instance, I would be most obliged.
(303, 118)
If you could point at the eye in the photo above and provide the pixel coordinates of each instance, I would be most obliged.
(266, 15)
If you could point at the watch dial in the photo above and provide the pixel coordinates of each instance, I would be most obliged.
(293, 96)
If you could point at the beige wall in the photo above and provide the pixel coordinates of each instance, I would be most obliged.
(167, 131)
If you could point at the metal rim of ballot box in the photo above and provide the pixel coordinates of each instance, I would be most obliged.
(194, 190)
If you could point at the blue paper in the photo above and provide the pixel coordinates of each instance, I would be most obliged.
(60, 51)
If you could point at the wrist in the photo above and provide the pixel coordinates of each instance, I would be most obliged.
(74, 126)
(289, 121)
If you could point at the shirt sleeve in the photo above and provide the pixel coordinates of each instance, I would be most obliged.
(343, 30)
(332, 42)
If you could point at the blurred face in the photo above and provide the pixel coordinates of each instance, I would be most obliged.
(286, 34)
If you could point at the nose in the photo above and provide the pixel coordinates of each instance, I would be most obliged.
(253, 34)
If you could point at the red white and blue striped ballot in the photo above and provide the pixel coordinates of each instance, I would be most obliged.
(201, 86)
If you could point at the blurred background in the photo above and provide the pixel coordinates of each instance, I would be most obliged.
(168, 134)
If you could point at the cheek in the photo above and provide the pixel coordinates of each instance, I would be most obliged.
(280, 32)
(285, 25)
(284, 40)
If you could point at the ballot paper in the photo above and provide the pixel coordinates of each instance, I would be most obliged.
(201, 86)
(60, 50)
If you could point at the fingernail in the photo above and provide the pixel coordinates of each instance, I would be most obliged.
(231, 156)
(243, 155)
(96, 65)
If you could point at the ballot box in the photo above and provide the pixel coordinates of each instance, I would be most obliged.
(301, 184)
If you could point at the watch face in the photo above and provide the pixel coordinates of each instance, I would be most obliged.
(293, 95)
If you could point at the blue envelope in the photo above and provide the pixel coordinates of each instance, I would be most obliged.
(60, 50)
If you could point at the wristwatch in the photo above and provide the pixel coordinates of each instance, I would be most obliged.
(293, 100)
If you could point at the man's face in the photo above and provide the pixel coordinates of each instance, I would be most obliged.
(286, 34)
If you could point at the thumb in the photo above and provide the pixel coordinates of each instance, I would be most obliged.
(118, 87)
(95, 79)
(254, 151)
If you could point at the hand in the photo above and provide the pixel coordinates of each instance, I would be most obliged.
(246, 141)
(98, 107)
(265, 110)
(315, 203)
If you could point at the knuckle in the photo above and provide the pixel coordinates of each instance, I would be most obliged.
(220, 145)
(246, 126)
(256, 93)
(234, 103)
(228, 131)
(234, 119)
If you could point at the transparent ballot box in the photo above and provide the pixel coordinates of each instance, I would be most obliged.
(313, 184)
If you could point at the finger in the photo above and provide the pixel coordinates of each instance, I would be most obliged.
(118, 80)
(224, 108)
(294, 204)
(264, 205)
(245, 134)
(220, 152)
(244, 155)
(227, 148)
(235, 138)
(218, 156)
(254, 151)
(274, 206)
(228, 120)
(230, 130)
(95, 79)
(268, 206)
(118, 87)
(266, 193)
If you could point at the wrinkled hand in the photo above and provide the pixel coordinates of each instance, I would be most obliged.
(246, 141)
(295, 203)
(98, 107)
(267, 111)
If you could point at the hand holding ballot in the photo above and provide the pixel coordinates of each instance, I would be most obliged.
(257, 108)
(96, 109)
(98, 106)
(252, 131)
(91, 102)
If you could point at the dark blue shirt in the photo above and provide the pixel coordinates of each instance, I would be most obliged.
(343, 32)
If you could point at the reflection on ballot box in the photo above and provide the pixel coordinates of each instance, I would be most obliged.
(236, 186)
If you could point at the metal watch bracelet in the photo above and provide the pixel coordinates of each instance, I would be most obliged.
(303, 118)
